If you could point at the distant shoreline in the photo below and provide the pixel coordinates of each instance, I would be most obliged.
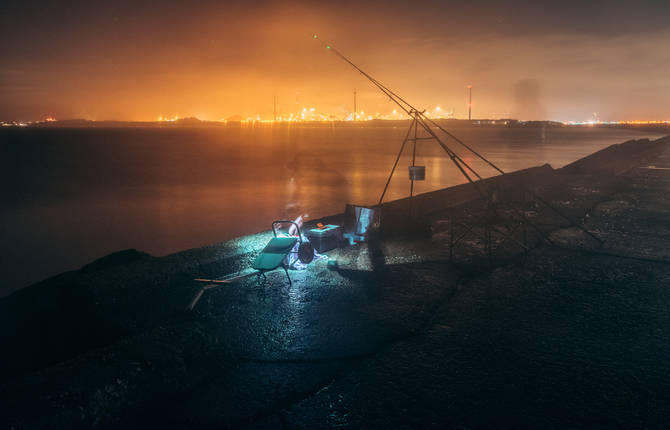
(451, 123)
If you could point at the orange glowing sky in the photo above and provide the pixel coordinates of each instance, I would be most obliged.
(98, 60)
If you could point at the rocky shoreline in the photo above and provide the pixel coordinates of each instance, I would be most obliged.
(549, 329)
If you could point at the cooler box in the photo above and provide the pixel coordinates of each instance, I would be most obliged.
(325, 239)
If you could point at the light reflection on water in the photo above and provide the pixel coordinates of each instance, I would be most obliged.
(70, 196)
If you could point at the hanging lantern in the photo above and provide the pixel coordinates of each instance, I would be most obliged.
(417, 173)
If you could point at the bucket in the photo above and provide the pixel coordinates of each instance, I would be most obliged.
(417, 173)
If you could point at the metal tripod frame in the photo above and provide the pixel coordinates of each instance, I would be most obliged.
(420, 119)
(413, 126)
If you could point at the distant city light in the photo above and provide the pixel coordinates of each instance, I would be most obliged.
(313, 114)
(166, 119)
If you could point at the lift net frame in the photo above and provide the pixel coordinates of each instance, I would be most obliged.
(421, 121)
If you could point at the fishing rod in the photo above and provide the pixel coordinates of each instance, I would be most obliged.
(408, 108)
(413, 112)
(422, 119)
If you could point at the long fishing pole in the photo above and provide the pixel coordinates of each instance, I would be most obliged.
(422, 119)
(400, 101)
(410, 111)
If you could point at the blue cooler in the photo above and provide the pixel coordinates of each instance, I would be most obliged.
(326, 238)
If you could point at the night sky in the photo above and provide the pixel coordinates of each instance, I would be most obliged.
(118, 60)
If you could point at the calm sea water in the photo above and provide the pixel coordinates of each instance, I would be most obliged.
(70, 196)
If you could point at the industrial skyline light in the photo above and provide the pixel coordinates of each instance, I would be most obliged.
(542, 61)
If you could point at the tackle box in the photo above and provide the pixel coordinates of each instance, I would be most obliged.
(326, 238)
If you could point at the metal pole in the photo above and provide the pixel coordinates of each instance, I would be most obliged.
(425, 121)
(470, 104)
(486, 160)
(354, 106)
(408, 109)
(568, 219)
(402, 147)
(411, 186)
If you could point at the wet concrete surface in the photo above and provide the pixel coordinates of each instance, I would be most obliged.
(569, 335)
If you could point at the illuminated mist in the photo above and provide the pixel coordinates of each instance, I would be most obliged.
(213, 61)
